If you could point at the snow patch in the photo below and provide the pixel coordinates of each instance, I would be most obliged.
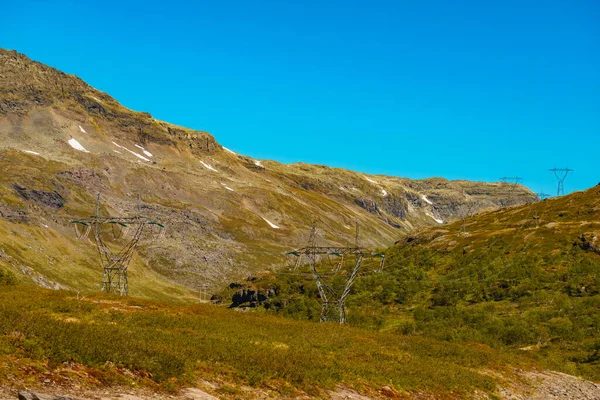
(81, 129)
(347, 227)
(384, 192)
(132, 152)
(31, 152)
(439, 221)
(371, 180)
(208, 166)
(97, 99)
(227, 187)
(231, 151)
(258, 164)
(117, 151)
(76, 145)
(270, 223)
(144, 150)
(426, 199)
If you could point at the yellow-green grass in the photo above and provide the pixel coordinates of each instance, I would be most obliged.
(167, 346)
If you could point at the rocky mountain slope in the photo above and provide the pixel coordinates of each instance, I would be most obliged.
(62, 142)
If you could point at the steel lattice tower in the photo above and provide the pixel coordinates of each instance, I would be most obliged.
(542, 195)
(561, 175)
(330, 299)
(115, 262)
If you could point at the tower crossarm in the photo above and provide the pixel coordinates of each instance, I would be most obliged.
(335, 251)
(116, 220)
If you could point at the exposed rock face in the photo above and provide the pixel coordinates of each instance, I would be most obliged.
(589, 242)
(48, 199)
(254, 297)
(26, 84)
(369, 205)
(13, 214)
(551, 385)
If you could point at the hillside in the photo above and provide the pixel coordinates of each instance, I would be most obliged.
(524, 279)
(227, 215)
(486, 292)
(99, 347)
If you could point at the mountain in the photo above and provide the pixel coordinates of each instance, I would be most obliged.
(226, 215)
(480, 291)
(524, 279)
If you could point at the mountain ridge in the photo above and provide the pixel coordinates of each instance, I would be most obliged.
(227, 214)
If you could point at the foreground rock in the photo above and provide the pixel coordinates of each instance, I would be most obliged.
(550, 385)
(186, 394)
(531, 385)
(40, 396)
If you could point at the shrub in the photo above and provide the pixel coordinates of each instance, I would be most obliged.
(7, 278)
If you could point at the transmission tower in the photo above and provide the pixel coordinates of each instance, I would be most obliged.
(204, 295)
(561, 175)
(543, 196)
(515, 180)
(330, 299)
(512, 190)
(113, 261)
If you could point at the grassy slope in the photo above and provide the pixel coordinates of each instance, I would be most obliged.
(162, 345)
(46, 249)
(514, 279)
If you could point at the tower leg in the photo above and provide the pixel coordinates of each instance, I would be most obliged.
(114, 280)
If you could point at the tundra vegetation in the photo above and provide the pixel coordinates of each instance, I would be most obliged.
(523, 280)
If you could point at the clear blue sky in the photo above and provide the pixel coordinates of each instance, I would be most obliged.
(459, 89)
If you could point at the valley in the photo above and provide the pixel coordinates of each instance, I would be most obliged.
(486, 292)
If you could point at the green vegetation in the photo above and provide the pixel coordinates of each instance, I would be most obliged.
(165, 346)
(519, 280)
(7, 278)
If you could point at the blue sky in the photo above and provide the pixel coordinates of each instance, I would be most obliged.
(458, 89)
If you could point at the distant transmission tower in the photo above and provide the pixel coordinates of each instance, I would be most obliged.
(115, 262)
(515, 180)
(330, 299)
(512, 192)
(561, 175)
(542, 195)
